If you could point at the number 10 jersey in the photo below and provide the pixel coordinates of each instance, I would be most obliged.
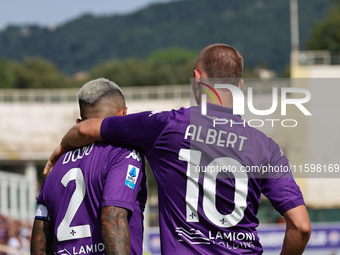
(211, 171)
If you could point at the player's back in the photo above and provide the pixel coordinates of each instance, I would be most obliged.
(208, 201)
(82, 182)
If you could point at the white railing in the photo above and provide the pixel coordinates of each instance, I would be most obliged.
(318, 57)
(259, 86)
(17, 195)
(38, 95)
(71, 95)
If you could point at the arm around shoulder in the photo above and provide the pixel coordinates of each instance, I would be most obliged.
(298, 231)
(84, 133)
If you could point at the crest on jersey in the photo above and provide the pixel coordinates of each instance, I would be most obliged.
(135, 155)
(154, 112)
(282, 153)
(64, 252)
(131, 176)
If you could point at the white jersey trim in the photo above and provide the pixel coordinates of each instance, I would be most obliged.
(42, 213)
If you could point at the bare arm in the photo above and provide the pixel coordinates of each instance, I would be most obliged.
(84, 133)
(42, 241)
(115, 230)
(298, 230)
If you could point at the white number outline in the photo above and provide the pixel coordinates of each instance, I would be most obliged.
(64, 230)
(193, 157)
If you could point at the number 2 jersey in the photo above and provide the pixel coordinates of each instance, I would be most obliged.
(208, 197)
(82, 182)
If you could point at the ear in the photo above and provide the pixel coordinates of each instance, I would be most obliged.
(195, 85)
(198, 73)
(122, 112)
(78, 121)
(240, 84)
(125, 111)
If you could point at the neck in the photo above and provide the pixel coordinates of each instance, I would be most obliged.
(227, 101)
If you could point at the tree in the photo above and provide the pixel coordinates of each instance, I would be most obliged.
(175, 63)
(127, 73)
(6, 76)
(164, 67)
(38, 73)
(326, 34)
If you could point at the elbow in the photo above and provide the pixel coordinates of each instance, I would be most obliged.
(89, 130)
(305, 230)
(302, 230)
(83, 133)
(81, 130)
(297, 221)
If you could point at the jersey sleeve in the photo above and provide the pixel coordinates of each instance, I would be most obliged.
(42, 211)
(279, 185)
(42, 198)
(124, 179)
(140, 130)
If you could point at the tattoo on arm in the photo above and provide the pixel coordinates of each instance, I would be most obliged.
(115, 230)
(42, 241)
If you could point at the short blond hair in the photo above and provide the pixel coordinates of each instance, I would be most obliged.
(93, 91)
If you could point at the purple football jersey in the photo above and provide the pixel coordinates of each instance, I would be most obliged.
(85, 180)
(208, 183)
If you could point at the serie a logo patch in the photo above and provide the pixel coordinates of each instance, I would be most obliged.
(131, 176)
